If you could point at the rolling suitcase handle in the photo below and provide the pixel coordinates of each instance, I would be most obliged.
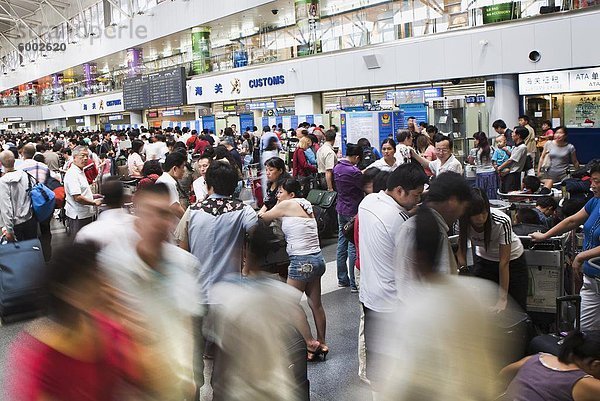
(559, 303)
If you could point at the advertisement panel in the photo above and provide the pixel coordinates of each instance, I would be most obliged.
(582, 111)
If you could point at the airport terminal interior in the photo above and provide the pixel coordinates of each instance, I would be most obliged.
(260, 200)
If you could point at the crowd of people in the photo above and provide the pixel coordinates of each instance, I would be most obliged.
(138, 303)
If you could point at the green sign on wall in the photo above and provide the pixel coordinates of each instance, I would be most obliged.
(501, 12)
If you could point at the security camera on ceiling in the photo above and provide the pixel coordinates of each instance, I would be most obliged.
(274, 11)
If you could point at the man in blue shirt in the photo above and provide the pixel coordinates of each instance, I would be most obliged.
(587, 260)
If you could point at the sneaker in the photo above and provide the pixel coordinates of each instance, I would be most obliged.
(354, 290)
(343, 285)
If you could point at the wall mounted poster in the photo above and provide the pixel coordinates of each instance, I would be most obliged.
(582, 111)
(361, 125)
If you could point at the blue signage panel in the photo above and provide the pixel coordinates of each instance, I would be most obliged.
(399, 124)
(417, 110)
(414, 95)
(246, 120)
(294, 121)
(208, 122)
(240, 58)
(386, 126)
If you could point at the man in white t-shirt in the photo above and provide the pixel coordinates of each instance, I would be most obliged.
(199, 184)
(327, 159)
(174, 168)
(114, 223)
(158, 149)
(152, 292)
(80, 202)
(380, 215)
(445, 159)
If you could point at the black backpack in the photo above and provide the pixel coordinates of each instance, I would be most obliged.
(367, 158)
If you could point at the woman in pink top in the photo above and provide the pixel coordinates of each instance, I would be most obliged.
(426, 150)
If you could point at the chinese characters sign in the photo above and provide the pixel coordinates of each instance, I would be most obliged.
(544, 82)
(581, 80)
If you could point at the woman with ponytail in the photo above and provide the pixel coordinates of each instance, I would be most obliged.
(481, 157)
(572, 376)
(437, 363)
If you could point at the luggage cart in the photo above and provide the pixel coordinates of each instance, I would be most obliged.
(546, 263)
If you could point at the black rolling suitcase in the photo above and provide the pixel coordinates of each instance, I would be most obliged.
(568, 318)
(22, 277)
(517, 329)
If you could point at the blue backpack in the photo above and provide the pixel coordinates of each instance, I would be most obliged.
(42, 199)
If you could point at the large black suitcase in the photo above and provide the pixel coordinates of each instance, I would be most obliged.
(324, 210)
(517, 330)
(568, 318)
(22, 277)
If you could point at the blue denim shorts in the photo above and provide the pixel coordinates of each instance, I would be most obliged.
(306, 267)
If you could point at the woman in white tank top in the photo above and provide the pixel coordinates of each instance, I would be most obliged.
(306, 261)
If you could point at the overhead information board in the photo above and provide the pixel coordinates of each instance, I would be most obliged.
(135, 93)
(159, 89)
(167, 88)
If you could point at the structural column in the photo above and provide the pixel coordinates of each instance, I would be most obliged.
(134, 62)
(136, 117)
(57, 81)
(308, 14)
(505, 105)
(308, 104)
(201, 62)
(89, 75)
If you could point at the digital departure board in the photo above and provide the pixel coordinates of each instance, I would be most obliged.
(136, 93)
(167, 88)
(159, 89)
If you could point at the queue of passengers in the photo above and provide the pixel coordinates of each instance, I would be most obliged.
(138, 304)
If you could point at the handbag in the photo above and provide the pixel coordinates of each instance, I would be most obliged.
(277, 259)
(322, 198)
(348, 229)
(22, 277)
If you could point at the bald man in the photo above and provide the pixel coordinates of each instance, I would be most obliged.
(38, 170)
(16, 216)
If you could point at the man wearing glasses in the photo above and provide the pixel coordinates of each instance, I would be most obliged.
(445, 159)
(80, 202)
